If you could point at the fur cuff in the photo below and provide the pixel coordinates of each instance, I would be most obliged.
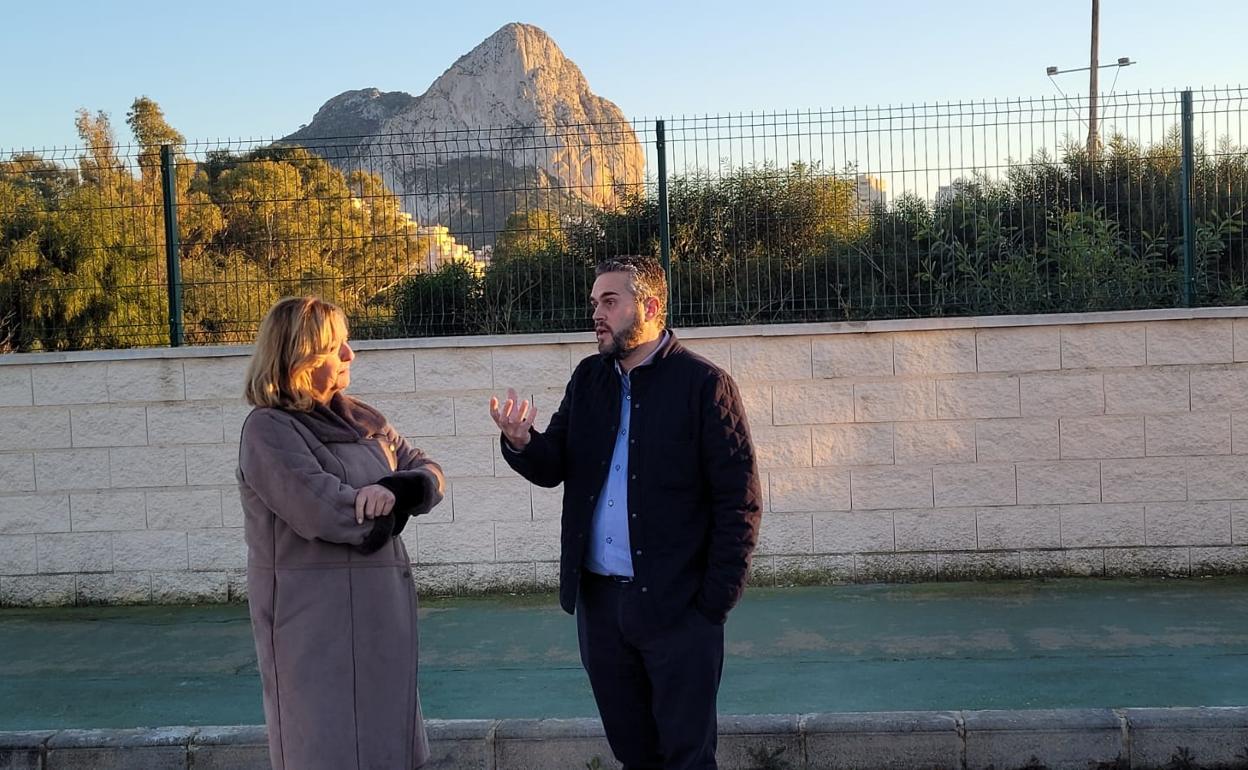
(411, 490)
(383, 529)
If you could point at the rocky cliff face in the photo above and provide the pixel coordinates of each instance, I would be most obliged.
(512, 125)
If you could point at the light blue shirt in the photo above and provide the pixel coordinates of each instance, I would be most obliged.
(610, 552)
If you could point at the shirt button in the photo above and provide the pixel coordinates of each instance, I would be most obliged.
(609, 540)
(618, 467)
(610, 503)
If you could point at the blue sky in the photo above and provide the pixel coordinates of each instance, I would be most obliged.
(260, 69)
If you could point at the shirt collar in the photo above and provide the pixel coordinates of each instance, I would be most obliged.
(648, 359)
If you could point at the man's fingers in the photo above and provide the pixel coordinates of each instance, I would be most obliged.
(359, 507)
(530, 418)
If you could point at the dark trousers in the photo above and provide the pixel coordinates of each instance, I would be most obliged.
(655, 685)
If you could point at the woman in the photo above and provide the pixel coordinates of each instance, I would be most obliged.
(326, 485)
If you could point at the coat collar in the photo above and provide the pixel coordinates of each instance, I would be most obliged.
(343, 420)
(669, 346)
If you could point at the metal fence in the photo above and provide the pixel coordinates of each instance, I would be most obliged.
(941, 209)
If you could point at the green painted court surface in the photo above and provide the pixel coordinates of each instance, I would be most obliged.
(1010, 645)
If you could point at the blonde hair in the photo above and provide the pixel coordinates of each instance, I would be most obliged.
(295, 337)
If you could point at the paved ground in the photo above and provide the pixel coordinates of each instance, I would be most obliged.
(1010, 645)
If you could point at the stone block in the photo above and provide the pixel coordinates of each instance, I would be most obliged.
(817, 489)
(974, 484)
(891, 487)
(895, 401)
(1147, 391)
(156, 380)
(1051, 483)
(949, 351)
(983, 397)
(854, 532)
(1062, 395)
(852, 444)
(769, 359)
(934, 442)
(81, 383)
(853, 355)
(998, 441)
(1022, 349)
(1102, 525)
(1103, 346)
(1190, 341)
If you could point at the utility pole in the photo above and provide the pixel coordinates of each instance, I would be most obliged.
(1093, 143)
(1094, 140)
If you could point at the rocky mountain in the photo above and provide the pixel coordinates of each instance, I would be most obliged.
(511, 125)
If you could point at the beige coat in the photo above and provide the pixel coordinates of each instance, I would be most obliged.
(335, 627)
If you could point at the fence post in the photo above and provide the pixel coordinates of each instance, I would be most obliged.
(665, 238)
(1185, 199)
(173, 266)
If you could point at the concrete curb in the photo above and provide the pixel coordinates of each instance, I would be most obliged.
(1078, 739)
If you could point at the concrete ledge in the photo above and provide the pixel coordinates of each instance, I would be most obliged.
(1057, 739)
(696, 333)
(1101, 739)
(1211, 737)
(900, 740)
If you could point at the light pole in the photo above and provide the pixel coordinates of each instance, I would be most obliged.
(1093, 68)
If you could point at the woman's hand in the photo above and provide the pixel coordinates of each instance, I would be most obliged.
(372, 501)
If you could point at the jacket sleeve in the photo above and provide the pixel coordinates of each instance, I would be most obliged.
(732, 475)
(417, 482)
(543, 461)
(276, 463)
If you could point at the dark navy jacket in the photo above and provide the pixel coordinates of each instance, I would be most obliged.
(693, 495)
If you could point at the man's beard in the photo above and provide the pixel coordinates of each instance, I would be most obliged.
(623, 342)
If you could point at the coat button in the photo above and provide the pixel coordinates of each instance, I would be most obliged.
(644, 589)
(637, 552)
(407, 573)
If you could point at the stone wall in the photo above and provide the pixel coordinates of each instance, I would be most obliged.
(1093, 444)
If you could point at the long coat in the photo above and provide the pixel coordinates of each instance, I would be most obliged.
(333, 605)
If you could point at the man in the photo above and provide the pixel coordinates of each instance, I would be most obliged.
(660, 517)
